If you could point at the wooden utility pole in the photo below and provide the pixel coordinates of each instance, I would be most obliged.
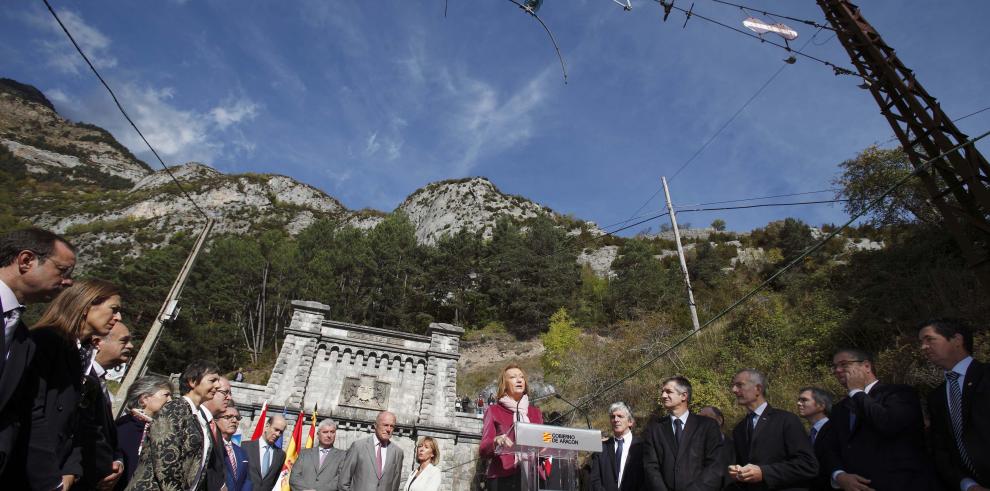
(958, 185)
(680, 254)
(166, 314)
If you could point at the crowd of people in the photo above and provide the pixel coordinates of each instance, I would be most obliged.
(57, 430)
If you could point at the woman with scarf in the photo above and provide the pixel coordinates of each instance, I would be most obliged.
(63, 358)
(144, 399)
(498, 433)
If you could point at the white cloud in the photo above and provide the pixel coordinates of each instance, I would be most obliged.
(234, 112)
(58, 50)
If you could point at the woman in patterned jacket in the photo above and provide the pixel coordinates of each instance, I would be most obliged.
(174, 457)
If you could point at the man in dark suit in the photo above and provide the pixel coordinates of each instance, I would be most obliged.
(318, 468)
(682, 451)
(772, 450)
(814, 405)
(877, 438)
(728, 447)
(619, 466)
(235, 461)
(102, 463)
(35, 265)
(216, 474)
(264, 458)
(958, 407)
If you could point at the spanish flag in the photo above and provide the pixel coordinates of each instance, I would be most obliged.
(292, 452)
(260, 427)
(312, 428)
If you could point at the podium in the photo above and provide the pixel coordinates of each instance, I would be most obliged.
(546, 456)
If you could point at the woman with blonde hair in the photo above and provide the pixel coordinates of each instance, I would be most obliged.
(63, 358)
(497, 430)
(426, 475)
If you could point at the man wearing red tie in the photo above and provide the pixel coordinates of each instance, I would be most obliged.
(375, 463)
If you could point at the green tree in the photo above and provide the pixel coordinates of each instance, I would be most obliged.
(873, 171)
(558, 341)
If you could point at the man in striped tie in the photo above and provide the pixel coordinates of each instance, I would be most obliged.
(960, 426)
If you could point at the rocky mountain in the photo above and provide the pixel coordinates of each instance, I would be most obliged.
(87, 184)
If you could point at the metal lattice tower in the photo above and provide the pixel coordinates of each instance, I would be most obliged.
(958, 185)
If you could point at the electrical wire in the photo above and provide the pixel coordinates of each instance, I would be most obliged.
(741, 200)
(121, 108)
(770, 14)
(761, 205)
(835, 68)
(923, 167)
(974, 113)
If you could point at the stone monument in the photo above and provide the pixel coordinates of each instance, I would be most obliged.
(351, 372)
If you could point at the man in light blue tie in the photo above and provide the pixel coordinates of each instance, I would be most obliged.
(264, 458)
(814, 405)
(960, 428)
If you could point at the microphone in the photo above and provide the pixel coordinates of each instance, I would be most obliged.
(517, 410)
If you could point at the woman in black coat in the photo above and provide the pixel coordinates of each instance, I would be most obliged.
(63, 357)
(144, 399)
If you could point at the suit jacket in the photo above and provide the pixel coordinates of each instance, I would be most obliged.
(697, 464)
(604, 476)
(886, 444)
(216, 473)
(780, 447)
(130, 431)
(823, 482)
(259, 482)
(172, 455)
(975, 424)
(58, 386)
(98, 436)
(238, 481)
(498, 421)
(308, 474)
(358, 472)
(428, 480)
(15, 402)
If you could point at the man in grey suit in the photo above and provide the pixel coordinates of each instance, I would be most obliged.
(318, 468)
(264, 458)
(374, 464)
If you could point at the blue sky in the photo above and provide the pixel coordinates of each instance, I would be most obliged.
(372, 100)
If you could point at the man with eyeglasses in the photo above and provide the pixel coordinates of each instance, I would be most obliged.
(216, 477)
(35, 265)
(101, 461)
(877, 437)
(236, 461)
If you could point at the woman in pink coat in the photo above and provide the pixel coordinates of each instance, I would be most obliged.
(498, 432)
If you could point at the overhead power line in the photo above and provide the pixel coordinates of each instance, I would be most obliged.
(923, 167)
(974, 113)
(771, 14)
(122, 111)
(741, 200)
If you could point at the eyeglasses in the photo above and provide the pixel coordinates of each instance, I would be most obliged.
(844, 364)
(231, 417)
(63, 270)
(226, 393)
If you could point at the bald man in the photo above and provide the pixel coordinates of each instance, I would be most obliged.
(264, 458)
(375, 463)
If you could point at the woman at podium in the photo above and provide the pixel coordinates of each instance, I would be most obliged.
(498, 433)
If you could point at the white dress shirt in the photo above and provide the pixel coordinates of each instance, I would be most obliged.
(10, 305)
(204, 425)
(626, 443)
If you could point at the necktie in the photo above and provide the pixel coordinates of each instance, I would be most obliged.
(678, 431)
(814, 434)
(955, 414)
(378, 460)
(852, 413)
(750, 424)
(618, 457)
(85, 357)
(323, 455)
(230, 457)
(266, 461)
